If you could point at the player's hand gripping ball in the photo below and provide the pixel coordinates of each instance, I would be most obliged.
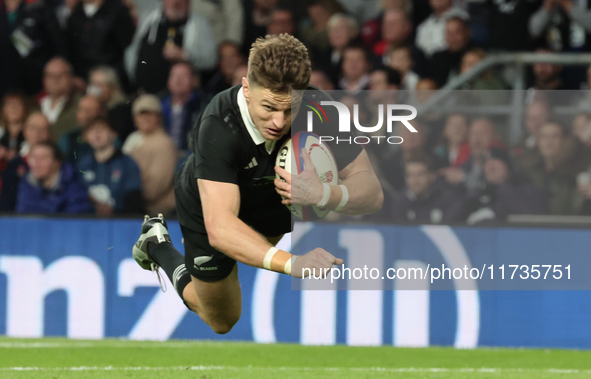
(307, 163)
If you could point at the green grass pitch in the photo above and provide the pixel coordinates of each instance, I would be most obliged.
(61, 358)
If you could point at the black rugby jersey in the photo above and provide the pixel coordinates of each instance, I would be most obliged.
(224, 151)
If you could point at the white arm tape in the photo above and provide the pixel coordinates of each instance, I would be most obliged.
(287, 268)
(344, 198)
(325, 196)
(268, 257)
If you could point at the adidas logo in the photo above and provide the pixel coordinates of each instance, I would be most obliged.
(252, 164)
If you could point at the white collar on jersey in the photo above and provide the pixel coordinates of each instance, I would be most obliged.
(256, 136)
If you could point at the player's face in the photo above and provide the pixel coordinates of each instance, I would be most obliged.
(271, 112)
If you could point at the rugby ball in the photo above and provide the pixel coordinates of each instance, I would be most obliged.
(290, 158)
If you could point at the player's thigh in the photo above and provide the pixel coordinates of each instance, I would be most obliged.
(219, 299)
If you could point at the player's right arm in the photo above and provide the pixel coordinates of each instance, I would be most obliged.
(218, 155)
(230, 235)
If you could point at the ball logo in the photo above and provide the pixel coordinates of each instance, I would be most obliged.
(283, 157)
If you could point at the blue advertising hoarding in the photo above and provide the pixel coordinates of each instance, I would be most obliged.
(76, 278)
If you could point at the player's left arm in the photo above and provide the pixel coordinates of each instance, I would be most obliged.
(363, 190)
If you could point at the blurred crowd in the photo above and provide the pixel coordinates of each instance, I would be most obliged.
(98, 98)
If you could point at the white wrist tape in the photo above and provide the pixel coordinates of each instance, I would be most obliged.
(281, 263)
(268, 257)
(325, 196)
(287, 267)
(344, 198)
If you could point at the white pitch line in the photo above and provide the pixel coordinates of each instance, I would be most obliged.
(342, 369)
(113, 344)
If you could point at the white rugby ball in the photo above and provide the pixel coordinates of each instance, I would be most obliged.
(290, 158)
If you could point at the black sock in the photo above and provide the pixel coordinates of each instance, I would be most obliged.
(173, 264)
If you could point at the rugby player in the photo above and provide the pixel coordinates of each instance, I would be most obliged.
(229, 203)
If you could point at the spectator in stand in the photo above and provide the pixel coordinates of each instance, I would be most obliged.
(400, 58)
(282, 21)
(36, 130)
(426, 87)
(547, 77)
(371, 32)
(98, 33)
(104, 83)
(12, 120)
(488, 80)
(504, 193)
(454, 150)
(551, 171)
(154, 152)
(229, 59)
(51, 185)
(63, 12)
(562, 25)
(72, 144)
(582, 132)
(60, 101)
(537, 115)
(226, 18)
(427, 84)
(385, 79)
(356, 67)
(29, 37)
(482, 137)
(183, 106)
(424, 200)
(257, 15)
(167, 35)
(384, 84)
(342, 30)
(583, 195)
(392, 162)
(446, 64)
(313, 30)
(431, 32)
(581, 129)
(363, 10)
(320, 79)
(396, 31)
(513, 16)
(239, 73)
(112, 179)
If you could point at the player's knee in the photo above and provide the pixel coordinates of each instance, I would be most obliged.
(225, 324)
(223, 327)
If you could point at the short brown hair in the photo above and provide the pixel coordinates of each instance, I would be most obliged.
(53, 147)
(279, 64)
(102, 120)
